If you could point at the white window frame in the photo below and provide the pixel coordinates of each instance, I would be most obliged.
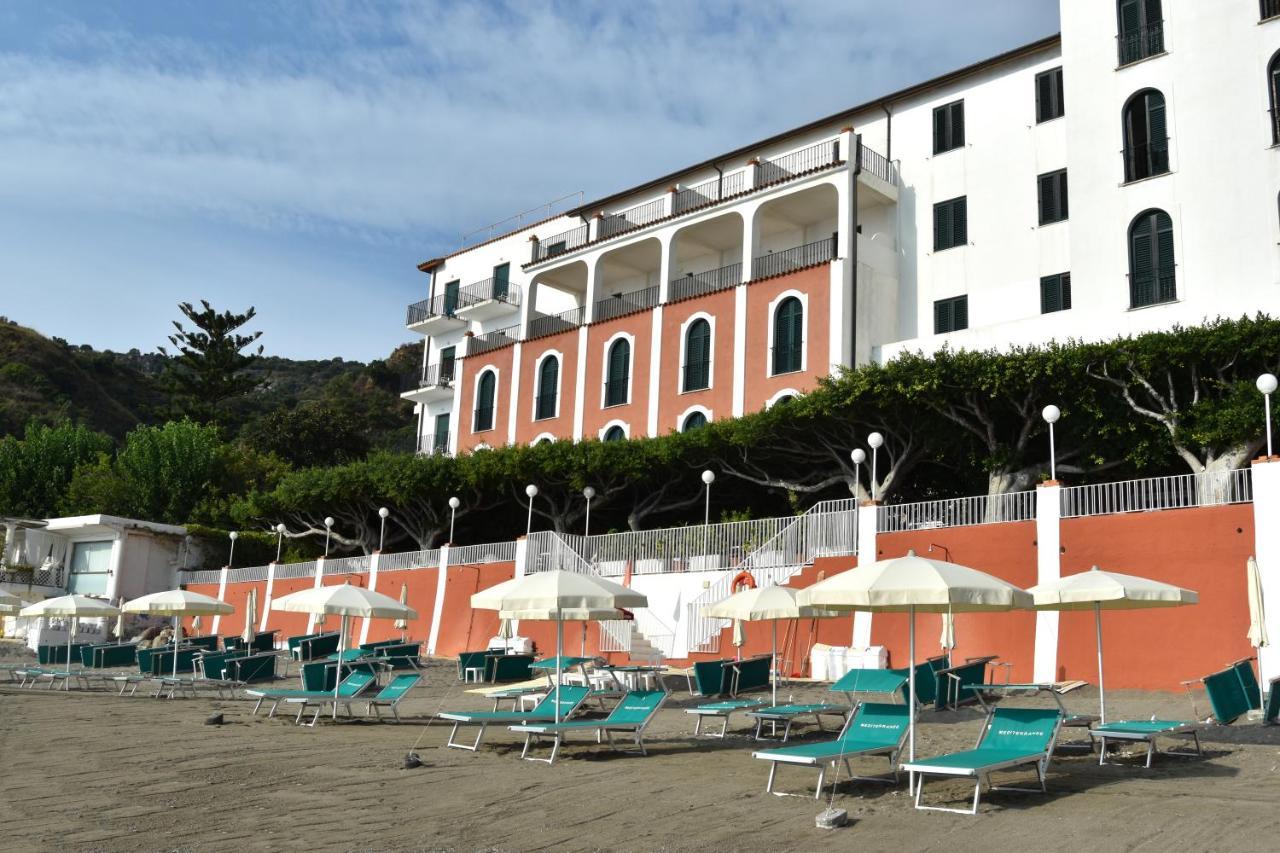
(773, 401)
(475, 397)
(626, 428)
(537, 383)
(683, 416)
(543, 436)
(631, 368)
(684, 351)
(804, 330)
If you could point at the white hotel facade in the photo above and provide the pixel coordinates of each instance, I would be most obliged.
(1119, 178)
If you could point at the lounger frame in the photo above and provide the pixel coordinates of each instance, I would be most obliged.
(1191, 730)
(893, 753)
(605, 729)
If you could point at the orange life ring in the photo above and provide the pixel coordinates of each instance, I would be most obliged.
(743, 580)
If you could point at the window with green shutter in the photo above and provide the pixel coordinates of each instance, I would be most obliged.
(614, 433)
(501, 281)
(1049, 100)
(1151, 261)
(697, 356)
(484, 401)
(1146, 136)
(696, 420)
(788, 336)
(447, 358)
(1141, 29)
(451, 297)
(950, 223)
(1055, 293)
(948, 127)
(950, 315)
(1051, 191)
(1273, 92)
(617, 384)
(548, 388)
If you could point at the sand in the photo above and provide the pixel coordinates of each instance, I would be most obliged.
(92, 771)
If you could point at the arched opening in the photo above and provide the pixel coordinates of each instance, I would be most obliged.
(1146, 136)
(1151, 261)
(694, 420)
(614, 433)
(548, 388)
(617, 383)
(485, 393)
(788, 336)
(697, 356)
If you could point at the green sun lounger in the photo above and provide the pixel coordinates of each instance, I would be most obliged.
(569, 697)
(1146, 731)
(390, 696)
(874, 728)
(789, 715)
(722, 710)
(631, 716)
(353, 685)
(1233, 692)
(1011, 737)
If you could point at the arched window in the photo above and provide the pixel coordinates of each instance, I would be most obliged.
(783, 400)
(695, 420)
(1146, 136)
(1141, 29)
(617, 383)
(1273, 92)
(548, 388)
(484, 401)
(697, 356)
(1151, 267)
(614, 433)
(788, 336)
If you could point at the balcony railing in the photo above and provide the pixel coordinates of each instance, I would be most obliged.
(1146, 159)
(705, 282)
(497, 289)
(709, 192)
(874, 163)
(1156, 493)
(790, 260)
(624, 303)
(632, 218)
(575, 238)
(1268, 9)
(805, 160)
(493, 340)
(549, 324)
(1152, 289)
(1141, 43)
(438, 374)
(442, 305)
(433, 444)
(956, 512)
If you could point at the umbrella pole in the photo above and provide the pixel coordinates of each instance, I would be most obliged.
(1102, 694)
(71, 632)
(337, 675)
(911, 689)
(773, 662)
(177, 623)
(559, 664)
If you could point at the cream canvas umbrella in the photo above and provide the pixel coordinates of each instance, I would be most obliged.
(9, 604)
(120, 602)
(1257, 615)
(72, 607)
(560, 597)
(948, 639)
(759, 604)
(909, 585)
(178, 603)
(250, 617)
(402, 625)
(345, 601)
(1099, 590)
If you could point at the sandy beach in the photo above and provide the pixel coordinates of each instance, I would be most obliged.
(92, 771)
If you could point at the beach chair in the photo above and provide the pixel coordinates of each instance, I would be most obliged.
(353, 685)
(874, 728)
(1146, 731)
(569, 698)
(886, 681)
(516, 695)
(722, 711)
(789, 715)
(632, 716)
(1232, 692)
(390, 696)
(1011, 737)
(1070, 720)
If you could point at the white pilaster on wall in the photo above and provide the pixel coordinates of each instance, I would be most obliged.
(739, 350)
(266, 598)
(580, 384)
(373, 586)
(844, 273)
(1048, 568)
(514, 381)
(442, 583)
(750, 238)
(655, 370)
(222, 596)
(1266, 537)
(868, 516)
(589, 298)
(311, 619)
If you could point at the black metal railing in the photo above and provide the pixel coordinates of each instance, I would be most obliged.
(443, 305)
(709, 192)
(616, 391)
(632, 218)
(433, 444)
(874, 163)
(37, 577)
(1141, 43)
(1152, 289)
(704, 282)
(1268, 8)
(437, 374)
(558, 244)
(1145, 159)
(496, 289)
(493, 340)
(790, 260)
(624, 303)
(787, 166)
(549, 324)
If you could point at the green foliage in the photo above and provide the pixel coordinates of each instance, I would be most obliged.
(310, 434)
(36, 470)
(210, 366)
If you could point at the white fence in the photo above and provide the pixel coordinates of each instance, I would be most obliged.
(288, 571)
(678, 549)
(253, 573)
(494, 552)
(1154, 493)
(201, 576)
(346, 565)
(956, 512)
(403, 560)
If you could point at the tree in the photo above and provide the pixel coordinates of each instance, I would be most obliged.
(36, 471)
(306, 435)
(210, 365)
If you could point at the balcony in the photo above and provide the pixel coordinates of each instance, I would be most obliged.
(433, 444)
(1140, 43)
(1146, 160)
(701, 283)
(435, 383)
(793, 260)
(624, 303)
(435, 315)
(493, 340)
(485, 300)
(542, 325)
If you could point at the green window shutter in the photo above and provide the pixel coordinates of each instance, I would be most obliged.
(616, 385)
(939, 130)
(614, 433)
(484, 403)
(548, 379)
(1049, 301)
(957, 124)
(501, 280)
(446, 364)
(1049, 103)
(788, 335)
(941, 316)
(1166, 289)
(960, 314)
(943, 236)
(697, 420)
(451, 296)
(1141, 262)
(1130, 16)
(960, 221)
(1158, 134)
(697, 356)
(1052, 193)
(1064, 285)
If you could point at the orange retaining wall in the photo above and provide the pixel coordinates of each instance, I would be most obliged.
(461, 627)
(421, 585)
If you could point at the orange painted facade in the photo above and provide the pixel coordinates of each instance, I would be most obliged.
(815, 285)
(718, 399)
(635, 412)
(560, 426)
(468, 369)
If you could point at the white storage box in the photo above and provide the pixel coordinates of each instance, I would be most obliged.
(830, 663)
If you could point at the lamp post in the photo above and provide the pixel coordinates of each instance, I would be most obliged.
(874, 441)
(1051, 413)
(280, 528)
(454, 503)
(858, 455)
(328, 529)
(532, 491)
(383, 514)
(1267, 385)
(588, 493)
(708, 477)
(232, 556)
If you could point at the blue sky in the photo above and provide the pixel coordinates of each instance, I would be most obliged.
(304, 157)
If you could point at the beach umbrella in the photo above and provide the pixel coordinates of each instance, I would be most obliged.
(760, 604)
(402, 625)
(1257, 614)
(71, 607)
(560, 597)
(1099, 590)
(120, 602)
(177, 603)
(250, 617)
(912, 584)
(345, 601)
(948, 639)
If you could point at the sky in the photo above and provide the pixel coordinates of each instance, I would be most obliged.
(304, 157)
